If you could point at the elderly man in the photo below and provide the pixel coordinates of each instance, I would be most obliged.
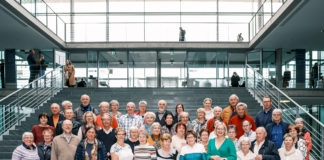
(277, 129)
(160, 115)
(84, 107)
(104, 108)
(56, 116)
(247, 127)
(230, 110)
(262, 148)
(75, 124)
(184, 118)
(66, 105)
(238, 119)
(263, 117)
(65, 145)
(141, 108)
(107, 134)
(130, 119)
(217, 116)
(208, 108)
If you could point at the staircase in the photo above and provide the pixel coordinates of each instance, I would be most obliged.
(192, 99)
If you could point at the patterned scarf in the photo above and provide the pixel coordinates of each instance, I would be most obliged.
(94, 150)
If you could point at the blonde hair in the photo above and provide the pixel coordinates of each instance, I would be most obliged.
(120, 130)
(93, 115)
(201, 110)
(221, 124)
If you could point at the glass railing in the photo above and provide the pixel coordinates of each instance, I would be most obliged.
(45, 14)
(263, 15)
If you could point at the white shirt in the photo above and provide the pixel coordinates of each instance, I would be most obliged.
(257, 147)
(249, 156)
(293, 154)
(178, 143)
(209, 114)
(197, 148)
(124, 153)
(251, 136)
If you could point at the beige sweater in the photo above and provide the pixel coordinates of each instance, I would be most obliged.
(62, 149)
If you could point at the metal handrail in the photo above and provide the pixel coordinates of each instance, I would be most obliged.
(280, 91)
(19, 104)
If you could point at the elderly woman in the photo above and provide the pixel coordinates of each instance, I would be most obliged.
(44, 148)
(199, 123)
(91, 147)
(169, 126)
(178, 140)
(89, 119)
(144, 151)
(141, 108)
(221, 147)
(193, 150)
(204, 137)
(37, 130)
(149, 118)
(132, 141)
(178, 110)
(114, 104)
(166, 152)
(288, 151)
(231, 133)
(155, 138)
(213, 134)
(121, 150)
(245, 153)
(184, 118)
(299, 143)
(26, 150)
(304, 134)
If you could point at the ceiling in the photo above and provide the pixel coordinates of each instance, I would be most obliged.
(300, 30)
(14, 33)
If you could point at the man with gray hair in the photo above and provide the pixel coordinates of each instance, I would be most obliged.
(66, 105)
(277, 129)
(84, 107)
(141, 108)
(130, 119)
(263, 148)
(230, 110)
(104, 108)
(217, 116)
(160, 115)
(65, 145)
(238, 119)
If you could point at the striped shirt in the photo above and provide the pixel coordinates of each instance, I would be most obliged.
(144, 152)
(197, 152)
(22, 153)
(126, 121)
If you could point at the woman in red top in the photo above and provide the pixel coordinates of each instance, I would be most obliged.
(37, 130)
(304, 134)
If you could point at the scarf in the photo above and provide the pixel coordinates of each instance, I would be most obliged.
(169, 127)
(156, 144)
(94, 150)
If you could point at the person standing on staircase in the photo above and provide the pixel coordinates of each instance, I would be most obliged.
(230, 110)
(264, 116)
(56, 116)
(32, 66)
(66, 105)
(38, 129)
(208, 108)
(68, 114)
(160, 115)
(83, 108)
(27, 150)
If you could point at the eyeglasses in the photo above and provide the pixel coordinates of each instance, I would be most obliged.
(220, 129)
(121, 134)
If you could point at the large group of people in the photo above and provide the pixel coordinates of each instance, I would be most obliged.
(216, 133)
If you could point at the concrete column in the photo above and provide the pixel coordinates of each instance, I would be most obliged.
(10, 69)
(300, 68)
(279, 67)
(158, 78)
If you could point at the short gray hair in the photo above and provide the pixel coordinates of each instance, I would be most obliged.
(245, 139)
(142, 102)
(277, 110)
(149, 113)
(217, 107)
(241, 104)
(233, 95)
(133, 128)
(114, 101)
(27, 134)
(85, 95)
(299, 119)
(107, 115)
(66, 102)
(208, 99)
(162, 100)
(155, 124)
(104, 102)
(184, 113)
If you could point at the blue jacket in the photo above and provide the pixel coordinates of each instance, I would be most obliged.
(259, 122)
(80, 152)
(268, 150)
(269, 128)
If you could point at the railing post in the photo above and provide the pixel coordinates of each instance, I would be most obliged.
(322, 153)
(297, 111)
(52, 92)
(62, 77)
(278, 99)
(18, 106)
(254, 87)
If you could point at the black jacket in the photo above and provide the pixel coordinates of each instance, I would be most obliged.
(50, 121)
(44, 154)
(259, 122)
(75, 127)
(162, 121)
(235, 81)
(80, 151)
(268, 150)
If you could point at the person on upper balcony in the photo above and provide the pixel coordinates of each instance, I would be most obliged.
(182, 34)
(235, 80)
(264, 116)
(277, 129)
(69, 74)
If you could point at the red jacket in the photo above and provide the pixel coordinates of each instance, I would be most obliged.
(210, 125)
(235, 120)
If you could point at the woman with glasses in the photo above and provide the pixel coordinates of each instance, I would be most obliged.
(231, 133)
(204, 134)
(120, 150)
(144, 151)
(245, 153)
(27, 150)
(166, 152)
(193, 150)
(221, 148)
(44, 148)
(89, 119)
